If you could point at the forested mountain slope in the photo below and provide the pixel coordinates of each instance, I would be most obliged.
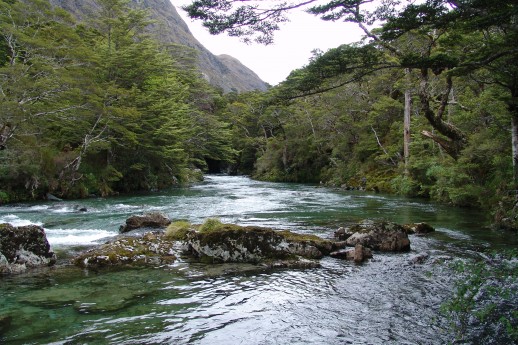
(170, 28)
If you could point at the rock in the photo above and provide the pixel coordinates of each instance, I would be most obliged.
(418, 259)
(151, 249)
(359, 254)
(383, 236)
(79, 208)
(148, 220)
(342, 234)
(344, 254)
(51, 197)
(300, 263)
(418, 228)
(251, 244)
(24, 247)
(5, 323)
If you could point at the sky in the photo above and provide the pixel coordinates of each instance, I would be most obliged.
(291, 49)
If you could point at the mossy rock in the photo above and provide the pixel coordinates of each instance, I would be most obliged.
(252, 244)
(418, 228)
(376, 235)
(24, 247)
(151, 249)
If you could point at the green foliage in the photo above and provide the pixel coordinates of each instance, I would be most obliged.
(4, 197)
(178, 230)
(99, 108)
(211, 224)
(484, 307)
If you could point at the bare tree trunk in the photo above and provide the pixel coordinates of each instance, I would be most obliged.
(514, 140)
(406, 126)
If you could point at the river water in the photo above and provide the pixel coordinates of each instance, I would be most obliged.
(387, 300)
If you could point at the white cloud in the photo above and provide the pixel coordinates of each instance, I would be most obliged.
(291, 49)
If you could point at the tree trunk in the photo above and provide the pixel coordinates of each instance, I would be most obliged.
(456, 140)
(406, 126)
(514, 140)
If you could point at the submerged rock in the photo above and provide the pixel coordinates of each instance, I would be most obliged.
(5, 323)
(24, 247)
(253, 244)
(358, 254)
(148, 220)
(381, 235)
(150, 249)
(418, 259)
(418, 228)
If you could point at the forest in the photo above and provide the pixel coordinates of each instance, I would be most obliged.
(426, 105)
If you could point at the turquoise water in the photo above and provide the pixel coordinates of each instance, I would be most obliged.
(386, 300)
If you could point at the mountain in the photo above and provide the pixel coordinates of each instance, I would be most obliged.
(222, 71)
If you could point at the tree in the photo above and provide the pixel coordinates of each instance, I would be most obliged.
(445, 29)
(43, 80)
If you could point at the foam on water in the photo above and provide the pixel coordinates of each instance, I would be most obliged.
(70, 237)
(17, 221)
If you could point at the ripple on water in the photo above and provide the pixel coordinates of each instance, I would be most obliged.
(384, 301)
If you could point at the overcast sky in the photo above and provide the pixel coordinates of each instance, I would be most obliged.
(291, 49)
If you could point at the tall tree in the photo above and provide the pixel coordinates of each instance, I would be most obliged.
(42, 82)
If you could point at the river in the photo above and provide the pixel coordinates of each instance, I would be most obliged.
(387, 300)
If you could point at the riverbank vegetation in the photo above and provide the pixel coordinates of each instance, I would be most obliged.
(424, 105)
(99, 107)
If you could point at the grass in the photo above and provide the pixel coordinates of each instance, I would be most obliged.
(178, 230)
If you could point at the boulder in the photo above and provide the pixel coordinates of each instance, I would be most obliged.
(24, 247)
(418, 228)
(381, 235)
(342, 234)
(151, 249)
(359, 254)
(251, 244)
(148, 220)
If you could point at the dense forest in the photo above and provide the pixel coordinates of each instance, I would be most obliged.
(99, 107)
(425, 105)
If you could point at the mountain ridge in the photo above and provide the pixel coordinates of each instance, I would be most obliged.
(222, 71)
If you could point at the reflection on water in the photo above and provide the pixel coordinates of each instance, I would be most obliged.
(386, 300)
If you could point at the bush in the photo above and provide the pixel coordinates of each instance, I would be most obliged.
(4, 197)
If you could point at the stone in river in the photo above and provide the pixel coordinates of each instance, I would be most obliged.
(148, 220)
(24, 247)
(382, 235)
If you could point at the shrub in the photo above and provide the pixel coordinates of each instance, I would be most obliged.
(4, 197)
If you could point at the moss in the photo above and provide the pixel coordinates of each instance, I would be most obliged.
(178, 230)
(211, 224)
(150, 248)
(255, 244)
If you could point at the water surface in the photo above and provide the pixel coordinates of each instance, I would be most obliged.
(385, 300)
